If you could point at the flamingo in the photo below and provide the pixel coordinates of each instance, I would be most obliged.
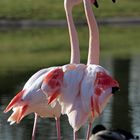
(84, 98)
(82, 91)
(57, 82)
(30, 98)
(95, 98)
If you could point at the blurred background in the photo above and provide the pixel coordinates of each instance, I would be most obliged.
(34, 35)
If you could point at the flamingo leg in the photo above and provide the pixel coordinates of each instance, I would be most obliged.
(88, 131)
(74, 135)
(34, 127)
(58, 128)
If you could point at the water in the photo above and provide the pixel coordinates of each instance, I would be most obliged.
(123, 111)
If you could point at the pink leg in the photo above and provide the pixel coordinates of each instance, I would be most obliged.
(58, 128)
(34, 127)
(74, 135)
(88, 131)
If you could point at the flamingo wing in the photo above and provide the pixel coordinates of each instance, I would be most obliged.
(52, 83)
(35, 76)
(96, 89)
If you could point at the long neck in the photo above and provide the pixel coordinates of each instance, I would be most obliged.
(94, 49)
(75, 53)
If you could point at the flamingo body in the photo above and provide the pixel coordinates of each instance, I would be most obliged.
(96, 88)
(84, 92)
(77, 90)
(71, 85)
(32, 99)
(95, 92)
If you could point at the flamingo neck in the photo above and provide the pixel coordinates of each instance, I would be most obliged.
(75, 52)
(94, 49)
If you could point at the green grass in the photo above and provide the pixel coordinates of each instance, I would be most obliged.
(48, 9)
(27, 49)
(120, 41)
(32, 48)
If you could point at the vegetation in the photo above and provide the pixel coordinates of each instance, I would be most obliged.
(35, 48)
(32, 48)
(48, 9)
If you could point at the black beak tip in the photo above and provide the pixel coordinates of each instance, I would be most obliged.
(96, 3)
(114, 1)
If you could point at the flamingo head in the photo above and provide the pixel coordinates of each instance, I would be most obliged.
(52, 84)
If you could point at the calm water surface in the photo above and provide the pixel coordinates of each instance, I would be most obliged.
(123, 111)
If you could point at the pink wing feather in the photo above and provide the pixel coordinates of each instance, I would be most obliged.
(14, 101)
(52, 84)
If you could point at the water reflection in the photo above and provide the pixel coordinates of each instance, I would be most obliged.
(123, 111)
(121, 106)
(134, 96)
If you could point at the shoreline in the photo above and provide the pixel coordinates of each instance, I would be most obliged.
(27, 23)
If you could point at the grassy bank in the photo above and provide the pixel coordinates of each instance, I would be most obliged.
(48, 9)
(25, 49)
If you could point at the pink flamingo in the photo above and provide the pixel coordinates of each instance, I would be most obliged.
(31, 98)
(97, 85)
(82, 91)
(85, 90)
(58, 83)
